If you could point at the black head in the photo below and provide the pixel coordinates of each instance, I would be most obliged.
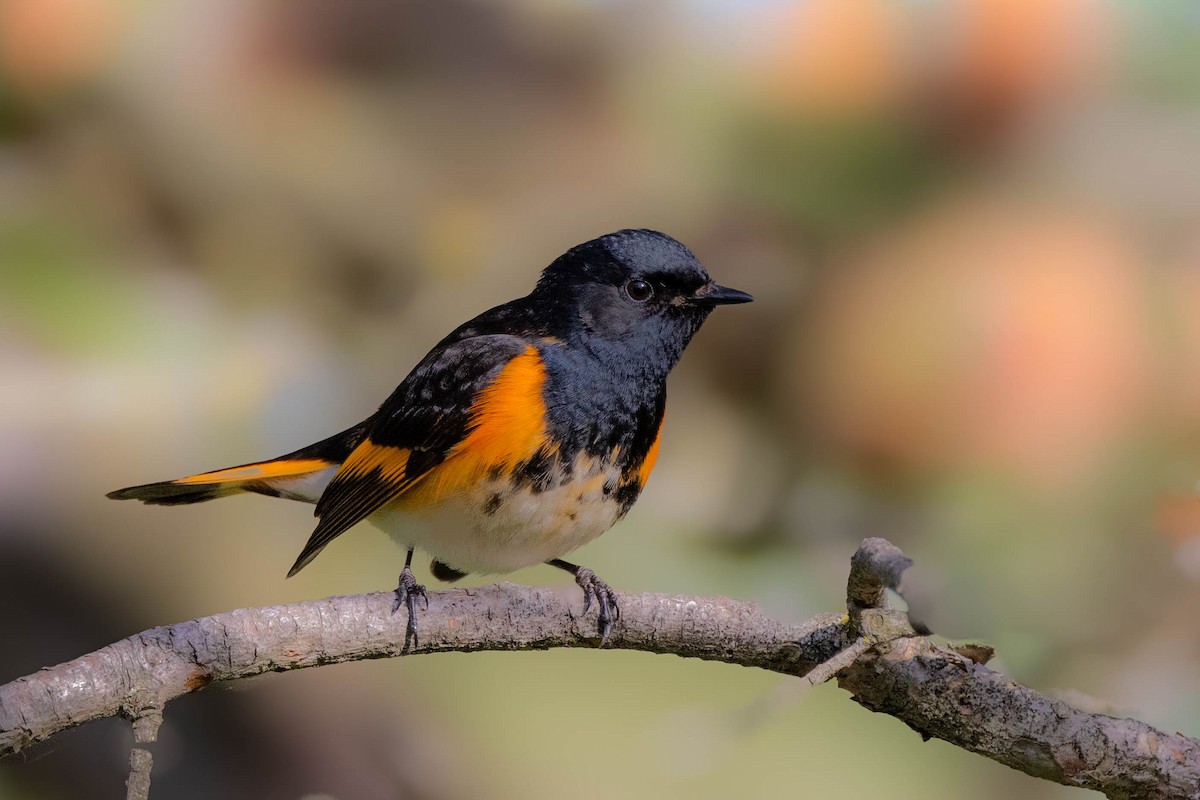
(636, 296)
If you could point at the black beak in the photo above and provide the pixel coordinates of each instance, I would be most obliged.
(715, 295)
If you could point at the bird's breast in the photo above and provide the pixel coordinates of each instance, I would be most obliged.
(516, 518)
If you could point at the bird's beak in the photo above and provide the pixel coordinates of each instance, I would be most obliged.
(713, 294)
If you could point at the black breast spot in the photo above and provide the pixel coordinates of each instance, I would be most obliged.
(538, 473)
(493, 503)
(627, 495)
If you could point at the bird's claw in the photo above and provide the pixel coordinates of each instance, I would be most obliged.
(407, 592)
(606, 601)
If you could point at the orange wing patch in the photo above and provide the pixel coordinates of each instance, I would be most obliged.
(253, 472)
(390, 461)
(371, 476)
(508, 426)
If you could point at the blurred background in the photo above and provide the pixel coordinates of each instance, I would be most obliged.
(229, 227)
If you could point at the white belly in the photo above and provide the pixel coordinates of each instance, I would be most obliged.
(495, 527)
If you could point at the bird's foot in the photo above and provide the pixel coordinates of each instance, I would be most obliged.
(606, 601)
(407, 592)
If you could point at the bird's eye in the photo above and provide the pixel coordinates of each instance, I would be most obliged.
(639, 291)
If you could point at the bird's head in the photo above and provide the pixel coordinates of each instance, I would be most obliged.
(632, 293)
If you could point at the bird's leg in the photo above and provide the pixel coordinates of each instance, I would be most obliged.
(594, 588)
(407, 592)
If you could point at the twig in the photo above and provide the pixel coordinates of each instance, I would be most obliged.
(145, 730)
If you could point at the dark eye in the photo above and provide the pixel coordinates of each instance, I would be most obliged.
(639, 291)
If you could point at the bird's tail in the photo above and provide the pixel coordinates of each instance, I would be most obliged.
(290, 477)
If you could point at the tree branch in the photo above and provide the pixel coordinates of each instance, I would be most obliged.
(873, 651)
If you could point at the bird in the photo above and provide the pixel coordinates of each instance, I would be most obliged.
(524, 434)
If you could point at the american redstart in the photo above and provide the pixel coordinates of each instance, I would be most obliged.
(524, 434)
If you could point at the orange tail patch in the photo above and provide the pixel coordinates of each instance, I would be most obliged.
(263, 470)
(264, 477)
